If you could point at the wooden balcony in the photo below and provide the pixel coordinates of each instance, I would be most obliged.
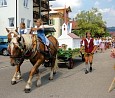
(40, 6)
(35, 15)
(44, 4)
(35, 3)
(45, 18)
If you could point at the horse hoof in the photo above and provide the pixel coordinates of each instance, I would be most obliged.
(54, 73)
(18, 78)
(13, 82)
(50, 78)
(38, 85)
(27, 90)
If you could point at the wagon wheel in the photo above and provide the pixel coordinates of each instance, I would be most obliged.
(71, 63)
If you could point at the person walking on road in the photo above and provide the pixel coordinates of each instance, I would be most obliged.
(102, 45)
(90, 46)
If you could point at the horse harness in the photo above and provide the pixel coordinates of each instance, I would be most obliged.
(25, 52)
(28, 53)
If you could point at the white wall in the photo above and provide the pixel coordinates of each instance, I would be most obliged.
(76, 43)
(65, 38)
(71, 43)
(66, 41)
(26, 13)
(10, 11)
(5, 13)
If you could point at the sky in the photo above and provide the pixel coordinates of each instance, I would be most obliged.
(106, 7)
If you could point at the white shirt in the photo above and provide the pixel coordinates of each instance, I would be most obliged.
(42, 27)
(96, 41)
(25, 31)
(88, 40)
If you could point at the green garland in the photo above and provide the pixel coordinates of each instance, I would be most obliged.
(67, 53)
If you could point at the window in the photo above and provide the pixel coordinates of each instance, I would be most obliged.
(3, 2)
(11, 22)
(28, 23)
(51, 22)
(26, 3)
(22, 20)
(61, 22)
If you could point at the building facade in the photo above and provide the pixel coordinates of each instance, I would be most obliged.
(56, 21)
(12, 13)
(58, 16)
(70, 39)
(41, 10)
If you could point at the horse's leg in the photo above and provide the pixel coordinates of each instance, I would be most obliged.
(51, 74)
(17, 75)
(37, 70)
(54, 66)
(32, 72)
(38, 80)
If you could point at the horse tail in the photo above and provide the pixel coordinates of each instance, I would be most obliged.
(55, 45)
(56, 64)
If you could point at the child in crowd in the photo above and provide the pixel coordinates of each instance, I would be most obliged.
(22, 29)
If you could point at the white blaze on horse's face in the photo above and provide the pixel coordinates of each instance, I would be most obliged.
(13, 41)
(12, 35)
(11, 45)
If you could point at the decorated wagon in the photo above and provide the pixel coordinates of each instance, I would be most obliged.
(67, 56)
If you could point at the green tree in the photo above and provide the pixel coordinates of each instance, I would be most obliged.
(90, 21)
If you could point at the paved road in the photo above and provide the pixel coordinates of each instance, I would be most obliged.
(66, 84)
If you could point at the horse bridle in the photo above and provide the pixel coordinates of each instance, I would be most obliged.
(23, 50)
(19, 46)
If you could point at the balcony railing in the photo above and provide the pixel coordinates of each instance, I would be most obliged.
(35, 15)
(35, 3)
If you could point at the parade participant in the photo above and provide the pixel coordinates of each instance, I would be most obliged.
(90, 46)
(22, 29)
(113, 43)
(40, 33)
(102, 45)
(97, 43)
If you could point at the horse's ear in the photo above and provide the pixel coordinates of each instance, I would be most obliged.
(16, 30)
(7, 30)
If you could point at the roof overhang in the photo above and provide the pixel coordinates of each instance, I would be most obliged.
(59, 8)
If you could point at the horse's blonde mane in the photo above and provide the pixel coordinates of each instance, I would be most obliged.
(27, 40)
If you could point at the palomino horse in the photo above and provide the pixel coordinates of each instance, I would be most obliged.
(30, 47)
(11, 34)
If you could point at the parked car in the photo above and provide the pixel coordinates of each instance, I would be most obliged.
(3, 45)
